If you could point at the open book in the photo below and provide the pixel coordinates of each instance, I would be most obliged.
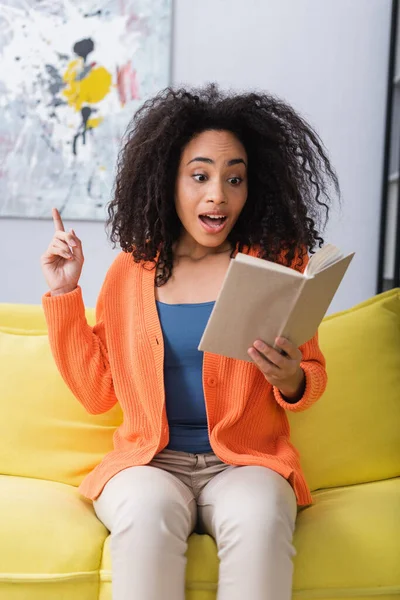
(263, 300)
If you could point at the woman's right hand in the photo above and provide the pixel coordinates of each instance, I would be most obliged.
(63, 260)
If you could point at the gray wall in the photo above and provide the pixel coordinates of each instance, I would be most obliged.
(328, 59)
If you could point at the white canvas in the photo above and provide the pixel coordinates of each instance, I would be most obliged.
(72, 75)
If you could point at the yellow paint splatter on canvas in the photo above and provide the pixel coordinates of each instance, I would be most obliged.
(94, 122)
(92, 88)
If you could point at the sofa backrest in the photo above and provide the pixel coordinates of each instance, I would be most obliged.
(351, 435)
(44, 432)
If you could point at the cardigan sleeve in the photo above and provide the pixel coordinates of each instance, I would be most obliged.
(80, 351)
(313, 364)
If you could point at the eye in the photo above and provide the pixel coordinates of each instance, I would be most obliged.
(199, 175)
(234, 180)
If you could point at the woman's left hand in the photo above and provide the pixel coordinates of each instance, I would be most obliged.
(281, 370)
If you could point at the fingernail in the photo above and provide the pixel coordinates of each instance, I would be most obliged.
(259, 345)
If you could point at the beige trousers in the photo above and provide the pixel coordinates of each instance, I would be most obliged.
(151, 511)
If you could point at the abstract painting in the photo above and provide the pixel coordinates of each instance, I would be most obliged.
(72, 75)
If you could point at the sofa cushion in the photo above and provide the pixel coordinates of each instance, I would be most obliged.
(27, 317)
(351, 435)
(348, 543)
(339, 541)
(51, 541)
(45, 432)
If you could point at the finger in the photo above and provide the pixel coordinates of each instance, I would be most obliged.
(58, 224)
(272, 355)
(59, 250)
(62, 245)
(78, 252)
(263, 364)
(67, 237)
(75, 238)
(287, 346)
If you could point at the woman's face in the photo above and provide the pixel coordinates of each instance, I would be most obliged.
(211, 187)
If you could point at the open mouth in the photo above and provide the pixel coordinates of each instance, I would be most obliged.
(213, 221)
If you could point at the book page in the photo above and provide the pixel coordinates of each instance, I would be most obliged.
(260, 301)
(266, 264)
(324, 257)
(313, 302)
(253, 304)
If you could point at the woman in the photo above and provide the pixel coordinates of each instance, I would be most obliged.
(205, 440)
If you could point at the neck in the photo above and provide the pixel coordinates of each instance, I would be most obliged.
(187, 247)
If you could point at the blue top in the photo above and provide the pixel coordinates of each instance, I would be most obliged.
(182, 326)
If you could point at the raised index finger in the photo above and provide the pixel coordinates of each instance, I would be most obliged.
(58, 224)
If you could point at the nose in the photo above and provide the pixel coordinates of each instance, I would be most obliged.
(216, 193)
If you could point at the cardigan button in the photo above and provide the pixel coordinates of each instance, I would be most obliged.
(212, 382)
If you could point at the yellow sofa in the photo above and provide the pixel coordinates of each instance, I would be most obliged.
(348, 543)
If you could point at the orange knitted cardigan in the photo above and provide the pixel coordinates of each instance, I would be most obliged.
(120, 359)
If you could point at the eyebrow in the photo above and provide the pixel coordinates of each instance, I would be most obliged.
(233, 161)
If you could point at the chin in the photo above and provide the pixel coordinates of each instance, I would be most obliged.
(211, 242)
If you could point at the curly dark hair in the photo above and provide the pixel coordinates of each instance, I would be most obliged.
(289, 175)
